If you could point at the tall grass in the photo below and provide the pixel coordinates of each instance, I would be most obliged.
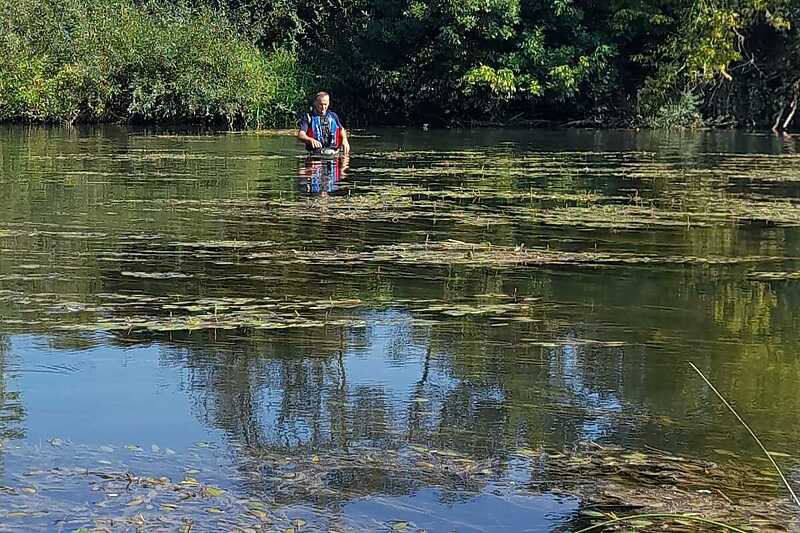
(751, 432)
(111, 60)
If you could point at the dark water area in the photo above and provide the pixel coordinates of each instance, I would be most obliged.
(340, 341)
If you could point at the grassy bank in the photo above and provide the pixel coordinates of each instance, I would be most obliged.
(113, 60)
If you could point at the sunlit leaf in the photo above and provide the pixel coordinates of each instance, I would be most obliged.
(261, 515)
(255, 504)
(725, 452)
(779, 454)
(213, 492)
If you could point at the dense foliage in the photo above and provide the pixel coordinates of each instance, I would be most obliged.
(113, 60)
(648, 62)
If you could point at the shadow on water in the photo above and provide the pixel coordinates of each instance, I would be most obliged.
(425, 336)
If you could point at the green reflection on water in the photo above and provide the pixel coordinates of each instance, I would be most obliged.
(546, 287)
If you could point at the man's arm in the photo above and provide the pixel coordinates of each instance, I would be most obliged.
(345, 142)
(301, 134)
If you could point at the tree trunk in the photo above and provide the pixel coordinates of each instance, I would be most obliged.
(791, 114)
(778, 117)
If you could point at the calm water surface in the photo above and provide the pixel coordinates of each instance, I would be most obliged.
(218, 307)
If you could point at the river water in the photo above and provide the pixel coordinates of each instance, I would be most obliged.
(342, 345)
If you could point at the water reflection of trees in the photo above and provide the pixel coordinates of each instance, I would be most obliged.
(12, 410)
(486, 389)
(476, 386)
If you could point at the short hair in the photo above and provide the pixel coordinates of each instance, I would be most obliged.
(321, 94)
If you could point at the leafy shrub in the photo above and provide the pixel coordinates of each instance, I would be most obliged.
(115, 60)
(652, 62)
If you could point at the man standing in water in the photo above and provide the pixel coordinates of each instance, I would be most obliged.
(321, 129)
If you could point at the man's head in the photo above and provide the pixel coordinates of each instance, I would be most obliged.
(322, 102)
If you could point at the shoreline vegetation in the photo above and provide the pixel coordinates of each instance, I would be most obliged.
(118, 61)
(251, 65)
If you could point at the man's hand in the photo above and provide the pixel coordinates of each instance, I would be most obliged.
(310, 141)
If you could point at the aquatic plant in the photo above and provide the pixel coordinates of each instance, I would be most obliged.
(640, 520)
(521, 273)
(744, 424)
(188, 489)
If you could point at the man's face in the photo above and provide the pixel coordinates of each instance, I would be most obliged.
(321, 104)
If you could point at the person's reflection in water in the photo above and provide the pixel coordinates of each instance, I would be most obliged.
(322, 176)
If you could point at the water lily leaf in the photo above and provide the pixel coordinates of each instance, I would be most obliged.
(399, 526)
(255, 505)
(214, 510)
(261, 515)
(725, 452)
(778, 454)
(635, 457)
(155, 275)
(135, 501)
(213, 492)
